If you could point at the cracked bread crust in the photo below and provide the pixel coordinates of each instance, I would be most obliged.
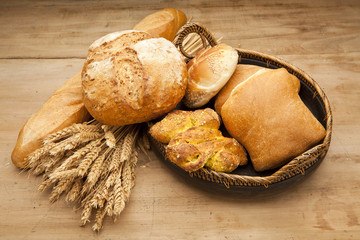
(129, 78)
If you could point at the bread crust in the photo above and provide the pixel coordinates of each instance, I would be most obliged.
(266, 115)
(208, 72)
(241, 74)
(202, 146)
(179, 121)
(61, 110)
(164, 23)
(132, 78)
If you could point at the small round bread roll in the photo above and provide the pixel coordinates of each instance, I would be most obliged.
(208, 72)
(129, 77)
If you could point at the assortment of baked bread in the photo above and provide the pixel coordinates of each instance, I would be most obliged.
(259, 107)
(66, 106)
(138, 75)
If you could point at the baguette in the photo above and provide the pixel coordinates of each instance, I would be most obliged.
(164, 23)
(61, 110)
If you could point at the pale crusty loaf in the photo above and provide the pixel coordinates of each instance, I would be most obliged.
(164, 23)
(266, 115)
(179, 121)
(201, 146)
(208, 72)
(129, 78)
(62, 109)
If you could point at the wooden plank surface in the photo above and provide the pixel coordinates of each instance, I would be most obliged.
(43, 43)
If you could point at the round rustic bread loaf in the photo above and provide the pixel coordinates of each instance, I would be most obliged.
(129, 77)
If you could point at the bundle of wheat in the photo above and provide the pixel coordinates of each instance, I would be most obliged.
(93, 164)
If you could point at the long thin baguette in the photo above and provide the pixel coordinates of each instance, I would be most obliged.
(62, 109)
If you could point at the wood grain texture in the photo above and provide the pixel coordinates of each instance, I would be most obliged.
(43, 43)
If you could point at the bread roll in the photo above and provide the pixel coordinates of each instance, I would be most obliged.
(164, 23)
(266, 115)
(129, 77)
(208, 72)
(179, 121)
(203, 146)
(61, 110)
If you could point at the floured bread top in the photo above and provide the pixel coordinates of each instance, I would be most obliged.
(130, 77)
(160, 60)
(109, 38)
(158, 50)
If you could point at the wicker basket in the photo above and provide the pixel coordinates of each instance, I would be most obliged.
(312, 95)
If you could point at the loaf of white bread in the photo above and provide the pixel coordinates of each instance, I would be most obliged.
(261, 108)
(208, 72)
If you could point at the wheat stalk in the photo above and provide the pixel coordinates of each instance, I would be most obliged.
(109, 207)
(74, 191)
(86, 214)
(109, 136)
(89, 158)
(99, 220)
(63, 185)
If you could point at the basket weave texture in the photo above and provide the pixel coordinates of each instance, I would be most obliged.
(297, 165)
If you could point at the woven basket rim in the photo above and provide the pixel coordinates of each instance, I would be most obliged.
(297, 165)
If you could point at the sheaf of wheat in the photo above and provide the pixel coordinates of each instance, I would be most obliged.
(92, 164)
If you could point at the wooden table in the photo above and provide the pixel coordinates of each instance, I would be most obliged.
(43, 43)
